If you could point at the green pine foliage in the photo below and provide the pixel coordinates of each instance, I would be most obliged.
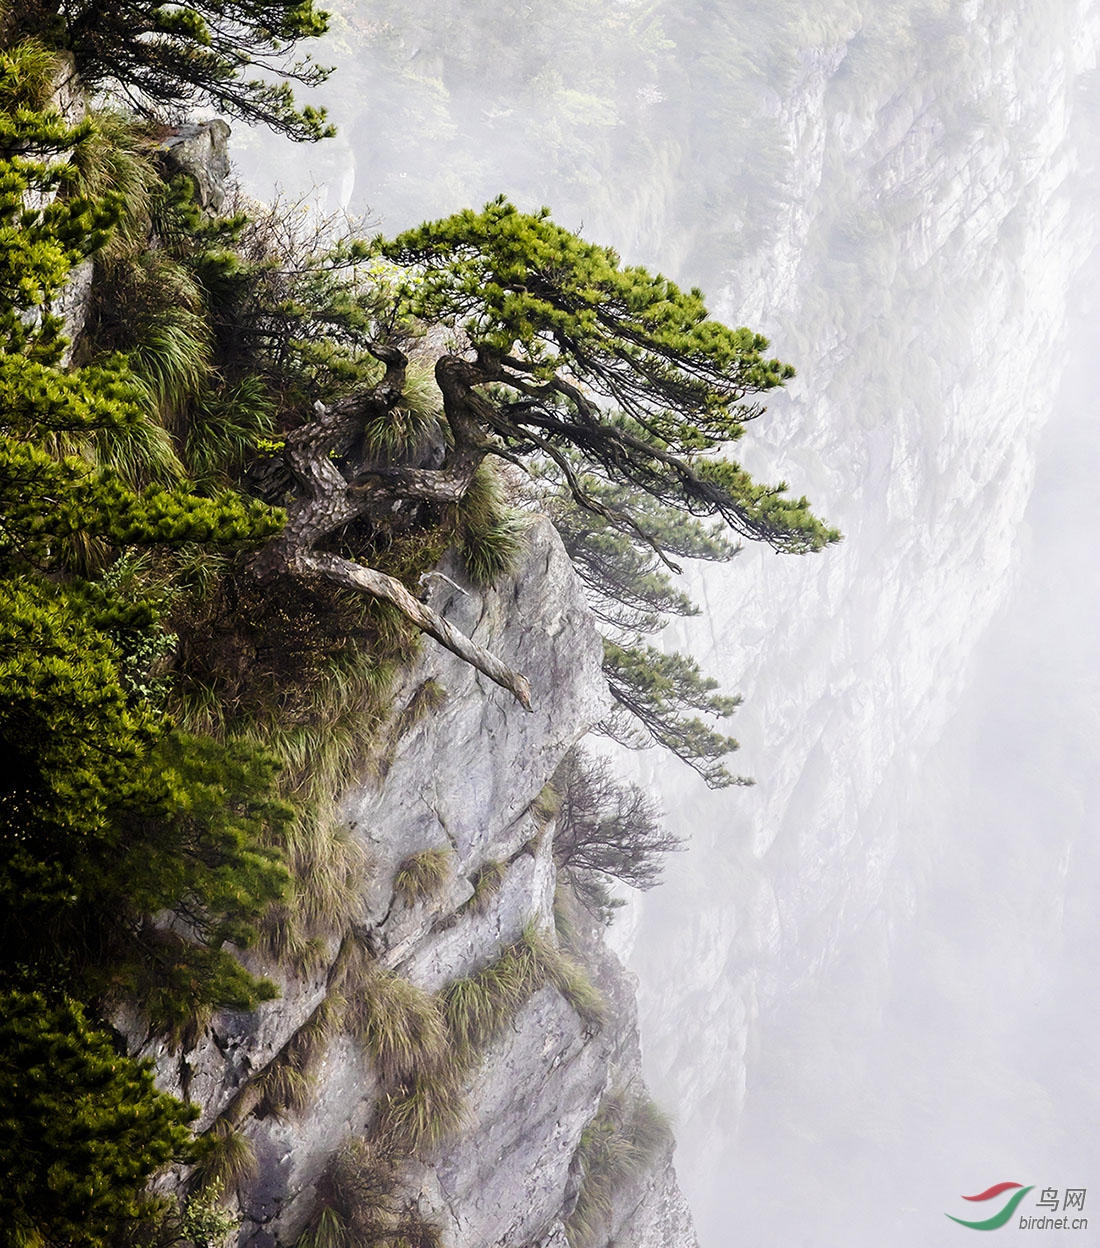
(632, 595)
(654, 695)
(179, 733)
(161, 60)
(136, 857)
(560, 322)
(81, 1127)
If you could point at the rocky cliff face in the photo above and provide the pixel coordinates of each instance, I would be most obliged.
(465, 777)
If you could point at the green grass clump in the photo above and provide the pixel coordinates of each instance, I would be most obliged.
(479, 1006)
(424, 1111)
(228, 1159)
(546, 805)
(618, 1146)
(400, 1025)
(321, 741)
(414, 420)
(489, 532)
(552, 966)
(287, 1082)
(428, 696)
(487, 882)
(361, 1203)
(326, 1229)
(423, 875)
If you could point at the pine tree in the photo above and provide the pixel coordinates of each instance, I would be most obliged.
(163, 60)
(606, 372)
(131, 854)
(81, 1127)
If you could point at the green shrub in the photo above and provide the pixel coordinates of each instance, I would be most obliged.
(83, 1127)
(206, 1223)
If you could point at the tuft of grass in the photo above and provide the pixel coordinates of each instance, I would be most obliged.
(423, 875)
(429, 695)
(618, 1146)
(546, 805)
(479, 1006)
(284, 1088)
(327, 1229)
(489, 533)
(320, 747)
(414, 420)
(228, 1159)
(115, 156)
(149, 308)
(287, 1082)
(401, 1025)
(423, 1112)
(361, 1202)
(223, 428)
(487, 882)
(27, 76)
(550, 965)
(565, 914)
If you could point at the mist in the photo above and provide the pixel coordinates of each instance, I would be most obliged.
(866, 990)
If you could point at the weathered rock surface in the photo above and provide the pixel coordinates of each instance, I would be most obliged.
(200, 150)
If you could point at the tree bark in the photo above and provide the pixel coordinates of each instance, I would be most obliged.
(329, 500)
(369, 580)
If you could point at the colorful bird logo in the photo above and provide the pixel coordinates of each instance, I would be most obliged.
(998, 1219)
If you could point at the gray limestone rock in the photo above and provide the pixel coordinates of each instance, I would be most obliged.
(201, 151)
(465, 775)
